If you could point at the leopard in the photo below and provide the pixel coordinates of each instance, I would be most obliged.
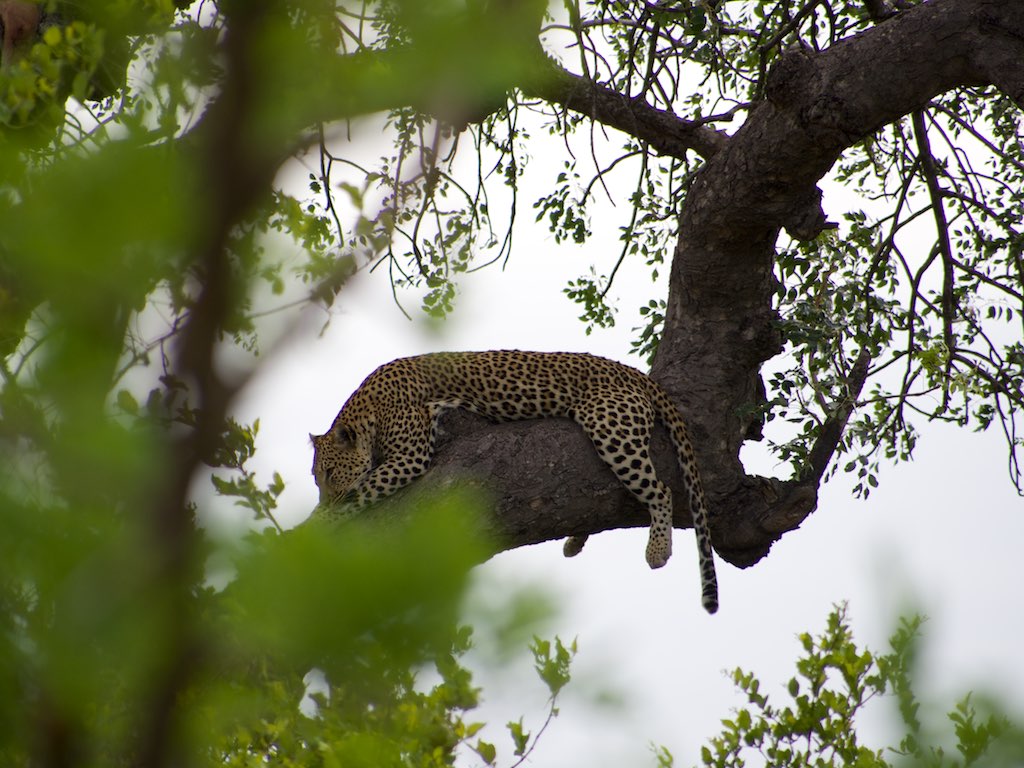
(384, 436)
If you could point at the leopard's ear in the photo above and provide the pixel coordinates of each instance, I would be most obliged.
(344, 435)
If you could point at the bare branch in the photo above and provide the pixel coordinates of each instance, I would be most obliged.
(832, 430)
(663, 131)
(942, 233)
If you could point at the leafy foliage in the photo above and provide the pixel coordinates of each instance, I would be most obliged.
(934, 309)
(834, 683)
(146, 259)
(935, 306)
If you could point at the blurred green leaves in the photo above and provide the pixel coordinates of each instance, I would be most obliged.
(33, 91)
(365, 605)
(149, 232)
(401, 585)
(90, 627)
(552, 662)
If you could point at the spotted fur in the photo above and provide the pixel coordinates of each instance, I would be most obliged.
(384, 436)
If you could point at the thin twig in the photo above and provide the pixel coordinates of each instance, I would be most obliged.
(931, 178)
(832, 430)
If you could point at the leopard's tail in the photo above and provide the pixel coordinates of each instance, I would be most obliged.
(671, 417)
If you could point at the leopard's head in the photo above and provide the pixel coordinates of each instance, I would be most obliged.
(339, 461)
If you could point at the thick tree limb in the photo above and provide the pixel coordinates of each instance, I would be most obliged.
(376, 80)
(720, 326)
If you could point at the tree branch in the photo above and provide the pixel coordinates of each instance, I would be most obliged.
(832, 430)
(664, 131)
(720, 326)
(236, 169)
(931, 178)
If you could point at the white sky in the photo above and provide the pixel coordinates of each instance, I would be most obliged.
(941, 535)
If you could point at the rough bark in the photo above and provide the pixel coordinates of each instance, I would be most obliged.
(720, 326)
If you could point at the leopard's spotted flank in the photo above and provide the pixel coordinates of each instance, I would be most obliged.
(384, 435)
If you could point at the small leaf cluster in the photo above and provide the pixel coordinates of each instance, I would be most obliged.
(589, 293)
(562, 209)
(238, 445)
(646, 343)
(33, 92)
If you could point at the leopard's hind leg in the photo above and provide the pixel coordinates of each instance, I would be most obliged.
(619, 425)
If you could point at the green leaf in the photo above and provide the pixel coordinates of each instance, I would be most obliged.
(486, 751)
(553, 669)
(520, 738)
(126, 402)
